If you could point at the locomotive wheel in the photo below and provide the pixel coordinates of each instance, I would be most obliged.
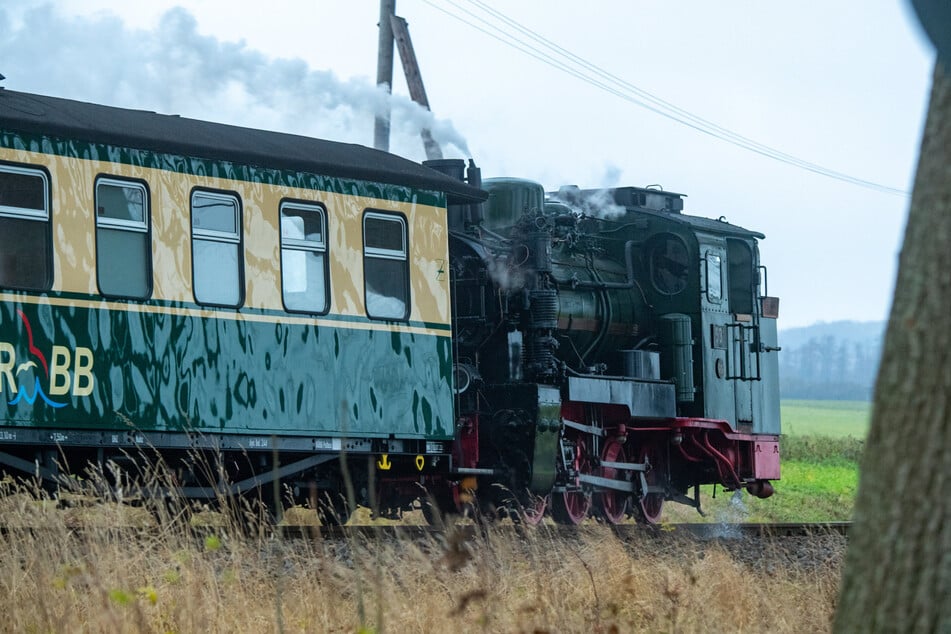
(612, 505)
(571, 507)
(650, 505)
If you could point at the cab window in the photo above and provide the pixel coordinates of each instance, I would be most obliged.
(714, 277)
(740, 274)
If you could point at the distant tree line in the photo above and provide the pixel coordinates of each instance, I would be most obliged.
(829, 368)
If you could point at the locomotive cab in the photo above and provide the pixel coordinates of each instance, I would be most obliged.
(736, 339)
(705, 279)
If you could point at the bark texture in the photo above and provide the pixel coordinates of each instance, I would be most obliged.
(898, 566)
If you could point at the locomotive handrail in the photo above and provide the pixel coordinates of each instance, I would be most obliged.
(615, 377)
(472, 471)
(737, 369)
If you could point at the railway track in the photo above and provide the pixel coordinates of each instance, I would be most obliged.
(766, 547)
(769, 547)
(699, 531)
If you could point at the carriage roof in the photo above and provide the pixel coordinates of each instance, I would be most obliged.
(141, 129)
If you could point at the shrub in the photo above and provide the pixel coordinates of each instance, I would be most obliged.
(822, 449)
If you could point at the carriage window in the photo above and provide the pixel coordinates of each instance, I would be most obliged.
(668, 264)
(216, 248)
(26, 252)
(303, 258)
(123, 253)
(385, 266)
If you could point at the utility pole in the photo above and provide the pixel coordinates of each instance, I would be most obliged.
(384, 74)
(414, 80)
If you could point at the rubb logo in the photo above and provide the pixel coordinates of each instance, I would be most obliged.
(67, 372)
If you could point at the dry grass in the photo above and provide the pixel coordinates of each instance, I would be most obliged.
(161, 577)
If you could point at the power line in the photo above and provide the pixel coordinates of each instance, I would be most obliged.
(512, 33)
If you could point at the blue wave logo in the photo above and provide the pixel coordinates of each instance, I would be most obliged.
(23, 395)
(29, 368)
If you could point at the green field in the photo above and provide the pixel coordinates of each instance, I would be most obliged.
(825, 418)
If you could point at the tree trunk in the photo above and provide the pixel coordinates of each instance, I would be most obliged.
(898, 565)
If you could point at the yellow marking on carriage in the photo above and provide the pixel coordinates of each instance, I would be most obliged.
(420, 463)
(384, 463)
(207, 313)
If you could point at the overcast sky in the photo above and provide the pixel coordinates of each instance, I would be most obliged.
(840, 85)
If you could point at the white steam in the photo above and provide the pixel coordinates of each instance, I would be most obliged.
(175, 70)
(597, 204)
(601, 205)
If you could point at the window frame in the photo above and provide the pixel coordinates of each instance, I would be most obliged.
(45, 216)
(387, 254)
(306, 246)
(125, 225)
(214, 235)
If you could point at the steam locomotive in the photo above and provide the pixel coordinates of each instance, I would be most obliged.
(611, 352)
(317, 315)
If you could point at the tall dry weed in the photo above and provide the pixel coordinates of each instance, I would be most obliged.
(106, 569)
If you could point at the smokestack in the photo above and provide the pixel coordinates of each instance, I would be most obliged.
(460, 216)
